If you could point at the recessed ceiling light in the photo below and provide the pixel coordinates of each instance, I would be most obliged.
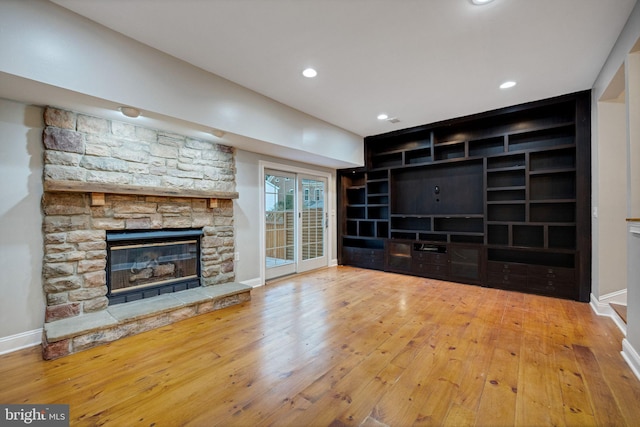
(130, 112)
(481, 2)
(309, 73)
(507, 85)
(218, 133)
(383, 116)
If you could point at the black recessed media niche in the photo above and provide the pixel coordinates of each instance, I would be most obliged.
(499, 199)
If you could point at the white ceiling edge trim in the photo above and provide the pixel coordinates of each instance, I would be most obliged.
(45, 43)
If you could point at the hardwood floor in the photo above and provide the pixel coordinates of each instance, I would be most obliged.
(345, 346)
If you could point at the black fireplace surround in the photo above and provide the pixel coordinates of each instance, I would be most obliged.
(146, 263)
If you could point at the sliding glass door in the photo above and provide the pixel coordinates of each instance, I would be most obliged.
(295, 223)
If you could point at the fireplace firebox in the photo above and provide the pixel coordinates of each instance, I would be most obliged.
(146, 263)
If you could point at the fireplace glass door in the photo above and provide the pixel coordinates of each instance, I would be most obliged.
(155, 263)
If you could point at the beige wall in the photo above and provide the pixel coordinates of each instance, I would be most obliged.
(633, 283)
(610, 260)
(22, 302)
(607, 117)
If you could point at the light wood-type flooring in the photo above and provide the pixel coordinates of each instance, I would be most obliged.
(347, 347)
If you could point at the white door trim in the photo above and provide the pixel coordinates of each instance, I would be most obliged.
(264, 164)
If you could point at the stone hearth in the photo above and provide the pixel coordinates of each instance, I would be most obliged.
(102, 175)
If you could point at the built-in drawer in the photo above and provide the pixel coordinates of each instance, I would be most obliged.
(430, 257)
(556, 281)
(508, 280)
(430, 270)
(507, 268)
(553, 287)
(363, 257)
(554, 273)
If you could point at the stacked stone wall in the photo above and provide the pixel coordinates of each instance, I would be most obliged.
(80, 148)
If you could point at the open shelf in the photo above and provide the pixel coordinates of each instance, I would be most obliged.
(506, 194)
(506, 162)
(562, 237)
(506, 178)
(528, 235)
(545, 258)
(449, 150)
(432, 237)
(515, 212)
(544, 138)
(420, 156)
(378, 187)
(362, 243)
(386, 160)
(553, 212)
(356, 195)
(459, 224)
(487, 147)
(553, 185)
(410, 223)
(553, 159)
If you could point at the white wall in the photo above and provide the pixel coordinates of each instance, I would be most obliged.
(21, 248)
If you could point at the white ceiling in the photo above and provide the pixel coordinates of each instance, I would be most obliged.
(418, 60)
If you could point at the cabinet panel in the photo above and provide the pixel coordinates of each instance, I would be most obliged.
(465, 262)
(507, 281)
(362, 257)
(452, 189)
(398, 257)
(431, 270)
(431, 258)
(552, 273)
(507, 268)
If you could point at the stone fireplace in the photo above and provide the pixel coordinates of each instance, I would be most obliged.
(148, 210)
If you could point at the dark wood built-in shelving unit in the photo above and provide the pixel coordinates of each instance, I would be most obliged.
(499, 199)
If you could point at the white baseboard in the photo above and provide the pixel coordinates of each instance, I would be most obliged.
(333, 262)
(602, 308)
(631, 356)
(254, 283)
(19, 341)
(617, 297)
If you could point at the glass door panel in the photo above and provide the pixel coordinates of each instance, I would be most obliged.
(280, 224)
(314, 221)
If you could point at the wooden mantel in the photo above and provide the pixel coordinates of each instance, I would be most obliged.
(139, 190)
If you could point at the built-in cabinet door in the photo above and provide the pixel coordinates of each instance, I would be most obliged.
(465, 263)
